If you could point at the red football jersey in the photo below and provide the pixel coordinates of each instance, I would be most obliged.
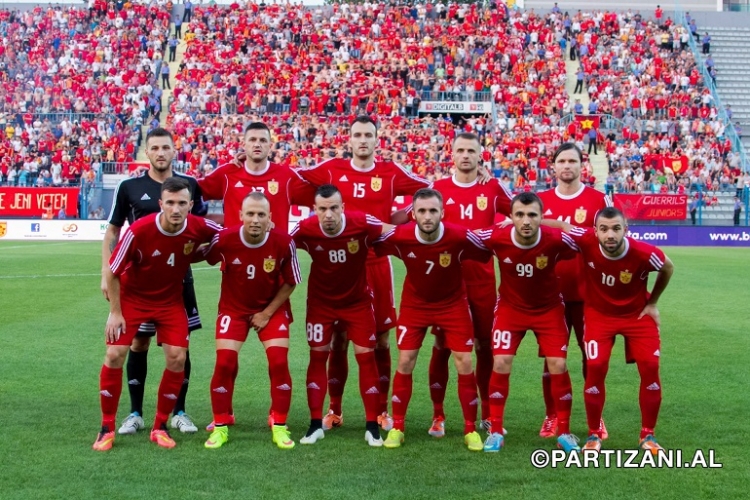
(151, 263)
(281, 185)
(617, 287)
(578, 209)
(252, 274)
(527, 273)
(337, 275)
(370, 191)
(433, 269)
(474, 206)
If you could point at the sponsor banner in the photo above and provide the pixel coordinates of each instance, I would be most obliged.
(454, 107)
(37, 202)
(296, 214)
(692, 236)
(52, 230)
(653, 206)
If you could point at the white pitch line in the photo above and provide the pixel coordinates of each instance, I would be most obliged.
(75, 275)
(41, 245)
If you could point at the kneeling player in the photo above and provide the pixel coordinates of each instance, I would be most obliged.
(618, 302)
(434, 294)
(529, 300)
(338, 294)
(259, 273)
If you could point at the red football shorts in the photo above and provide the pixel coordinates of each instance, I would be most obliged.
(380, 281)
(357, 320)
(171, 323)
(453, 321)
(236, 327)
(510, 328)
(642, 342)
(482, 301)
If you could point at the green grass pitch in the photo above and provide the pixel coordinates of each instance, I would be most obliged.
(51, 338)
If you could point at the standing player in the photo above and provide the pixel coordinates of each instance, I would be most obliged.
(338, 294)
(145, 285)
(618, 302)
(434, 295)
(253, 172)
(135, 198)
(259, 273)
(367, 186)
(530, 299)
(576, 204)
(471, 205)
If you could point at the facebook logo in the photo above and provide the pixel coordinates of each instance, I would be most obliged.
(35, 227)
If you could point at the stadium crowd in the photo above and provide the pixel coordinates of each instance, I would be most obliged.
(77, 84)
(308, 72)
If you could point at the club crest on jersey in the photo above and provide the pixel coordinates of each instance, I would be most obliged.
(580, 215)
(353, 246)
(541, 262)
(482, 202)
(625, 276)
(445, 259)
(269, 265)
(188, 248)
(3, 229)
(273, 187)
(376, 183)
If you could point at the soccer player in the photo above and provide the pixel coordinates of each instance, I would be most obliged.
(474, 206)
(135, 198)
(252, 171)
(145, 284)
(338, 293)
(434, 295)
(529, 300)
(618, 302)
(367, 186)
(259, 273)
(576, 204)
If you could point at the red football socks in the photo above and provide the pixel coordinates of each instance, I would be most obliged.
(549, 401)
(402, 387)
(562, 391)
(594, 395)
(383, 362)
(281, 382)
(499, 389)
(368, 385)
(438, 379)
(222, 384)
(649, 396)
(483, 372)
(316, 383)
(110, 388)
(338, 372)
(169, 389)
(467, 395)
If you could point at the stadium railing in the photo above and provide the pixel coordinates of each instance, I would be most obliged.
(708, 82)
(450, 95)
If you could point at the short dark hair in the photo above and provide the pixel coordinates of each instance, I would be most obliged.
(257, 126)
(427, 193)
(364, 119)
(255, 195)
(175, 184)
(159, 132)
(326, 191)
(609, 213)
(469, 136)
(526, 199)
(567, 146)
